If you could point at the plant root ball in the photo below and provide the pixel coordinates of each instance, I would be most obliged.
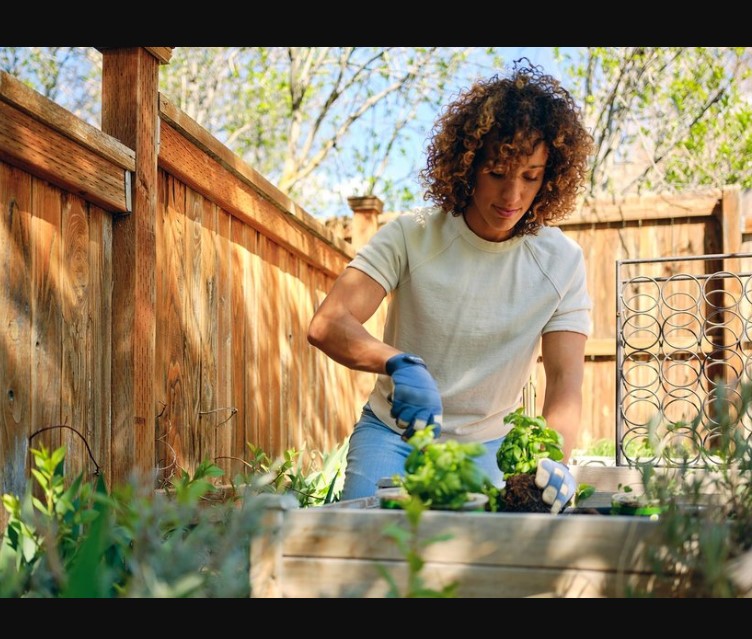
(521, 495)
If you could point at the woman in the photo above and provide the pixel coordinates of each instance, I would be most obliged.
(478, 284)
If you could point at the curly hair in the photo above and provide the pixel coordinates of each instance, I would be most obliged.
(501, 120)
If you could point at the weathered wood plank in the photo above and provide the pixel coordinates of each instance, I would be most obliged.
(268, 346)
(32, 146)
(647, 208)
(209, 145)
(207, 176)
(74, 303)
(266, 577)
(286, 331)
(242, 323)
(297, 344)
(177, 411)
(130, 114)
(343, 578)
(161, 309)
(271, 385)
(256, 337)
(52, 115)
(590, 542)
(227, 419)
(163, 54)
(193, 322)
(207, 422)
(15, 328)
(99, 341)
(46, 314)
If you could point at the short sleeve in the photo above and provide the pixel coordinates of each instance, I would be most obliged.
(574, 310)
(384, 257)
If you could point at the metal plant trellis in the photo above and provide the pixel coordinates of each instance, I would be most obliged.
(683, 352)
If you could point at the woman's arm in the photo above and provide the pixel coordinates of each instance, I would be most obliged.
(564, 363)
(337, 325)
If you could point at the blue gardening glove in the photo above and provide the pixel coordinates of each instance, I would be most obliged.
(416, 402)
(556, 482)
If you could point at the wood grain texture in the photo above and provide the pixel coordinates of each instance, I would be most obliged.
(163, 54)
(227, 420)
(99, 341)
(53, 116)
(196, 135)
(207, 176)
(171, 331)
(74, 293)
(208, 422)
(341, 552)
(36, 148)
(541, 540)
(268, 389)
(241, 400)
(46, 314)
(343, 578)
(130, 114)
(252, 369)
(193, 309)
(16, 295)
(647, 208)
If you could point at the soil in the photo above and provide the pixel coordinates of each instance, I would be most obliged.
(521, 495)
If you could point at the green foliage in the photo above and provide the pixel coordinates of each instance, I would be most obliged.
(529, 441)
(314, 118)
(636, 448)
(665, 118)
(315, 478)
(82, 541)
(412, 546)
(583, 492)
(442, 474)
(706, 509)
(190, 488)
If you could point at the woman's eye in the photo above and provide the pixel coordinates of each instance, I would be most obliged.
(531, 178)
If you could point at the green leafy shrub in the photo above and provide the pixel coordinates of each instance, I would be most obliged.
(77, 539)
(314, 477)
(706, 509)
(442, 474)
(82, 541)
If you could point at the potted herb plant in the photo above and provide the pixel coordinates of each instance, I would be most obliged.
(529, 441)
(443, 475)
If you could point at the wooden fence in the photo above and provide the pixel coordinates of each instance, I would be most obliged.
(701, 223)
(155, 292)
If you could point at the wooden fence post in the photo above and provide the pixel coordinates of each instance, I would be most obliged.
(366, 210)
(130, 113)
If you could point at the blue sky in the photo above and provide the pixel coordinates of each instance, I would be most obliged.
(399, 167)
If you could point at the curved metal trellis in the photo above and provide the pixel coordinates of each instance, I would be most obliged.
(683, 351)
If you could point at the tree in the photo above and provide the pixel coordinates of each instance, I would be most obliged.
(324, 123)
(320, 122)
(666, 118)
(66, 75)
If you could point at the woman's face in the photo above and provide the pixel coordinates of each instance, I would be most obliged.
(500, 200)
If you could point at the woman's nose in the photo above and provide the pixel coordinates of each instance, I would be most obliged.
(510, 190)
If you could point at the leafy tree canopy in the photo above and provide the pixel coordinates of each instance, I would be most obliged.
(324, 123)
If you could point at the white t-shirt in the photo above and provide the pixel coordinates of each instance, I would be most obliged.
(474, 310)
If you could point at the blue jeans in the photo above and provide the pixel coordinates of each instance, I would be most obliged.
(376, 451)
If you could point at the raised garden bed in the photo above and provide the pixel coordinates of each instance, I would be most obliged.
(336, 551)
